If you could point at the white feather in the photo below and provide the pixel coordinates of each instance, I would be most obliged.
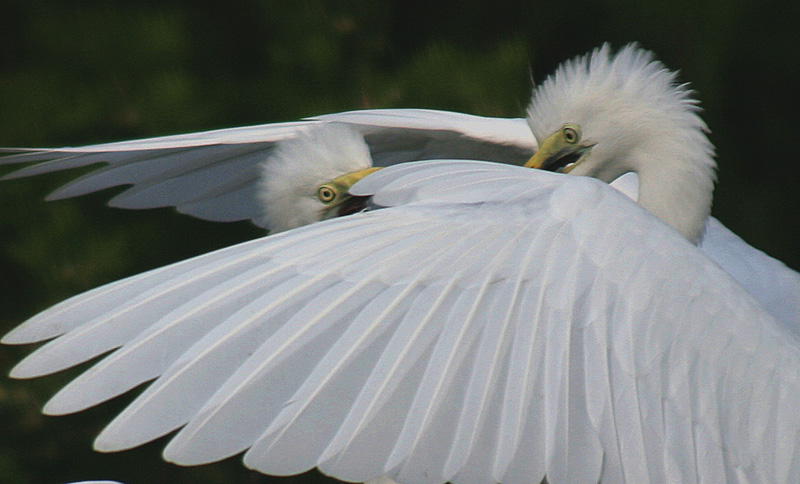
(641, 120)
(217, 175)
(297, 166)
(494, 324)
(537, 332)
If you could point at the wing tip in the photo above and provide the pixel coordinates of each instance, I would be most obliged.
(37, 329)
(29, 332)
(19, 372)
(187, 454)
(13, 338)
(32, 367)
(16, 174)
(106, 444)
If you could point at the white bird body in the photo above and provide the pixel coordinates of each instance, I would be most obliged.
(492, 324)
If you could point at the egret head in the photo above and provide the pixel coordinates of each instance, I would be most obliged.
(307, 178)
(603, 115)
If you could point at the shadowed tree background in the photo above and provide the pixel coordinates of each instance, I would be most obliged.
(79, 72)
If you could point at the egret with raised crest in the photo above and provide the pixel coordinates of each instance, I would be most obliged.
(482, 323)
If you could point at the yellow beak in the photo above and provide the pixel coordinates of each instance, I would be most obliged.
(537, 160)
(349, 179)
(557, 155)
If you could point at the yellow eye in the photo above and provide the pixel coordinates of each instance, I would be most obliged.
(326, 194)
(572, 133)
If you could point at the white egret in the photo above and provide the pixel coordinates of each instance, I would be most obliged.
(221, 175)
(215, 175)
(493, 324)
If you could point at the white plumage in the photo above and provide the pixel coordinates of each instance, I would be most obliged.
(297, 166)
(216, 175)
(492, 323)
(631, 107)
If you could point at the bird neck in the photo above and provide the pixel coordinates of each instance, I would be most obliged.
(679, 196)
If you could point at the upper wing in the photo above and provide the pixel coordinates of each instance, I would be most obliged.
(214, 175)
(774, 285)
(496, 324)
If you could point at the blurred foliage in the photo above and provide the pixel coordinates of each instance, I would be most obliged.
(77, 72)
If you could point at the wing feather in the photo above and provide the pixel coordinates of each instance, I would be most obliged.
(275, 438)
(230, 206)
(769, 280)
(500, 330)
(387, 393)
(461, 328)
(408, 344)
(313, 316)
(108, 316)
(197, 375)
(75, 311)
(146, 169)
(213, 174)
(489, 361)
(149, 354)
(160, 191)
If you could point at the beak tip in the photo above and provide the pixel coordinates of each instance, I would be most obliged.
(534, 162)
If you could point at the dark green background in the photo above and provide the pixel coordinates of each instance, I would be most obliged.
(88, 71)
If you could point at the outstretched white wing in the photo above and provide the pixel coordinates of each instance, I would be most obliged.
(214, 175)
(774, 285)
(496, 324)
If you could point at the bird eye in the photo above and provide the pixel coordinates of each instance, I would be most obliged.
(326, 194)
(572, 133)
